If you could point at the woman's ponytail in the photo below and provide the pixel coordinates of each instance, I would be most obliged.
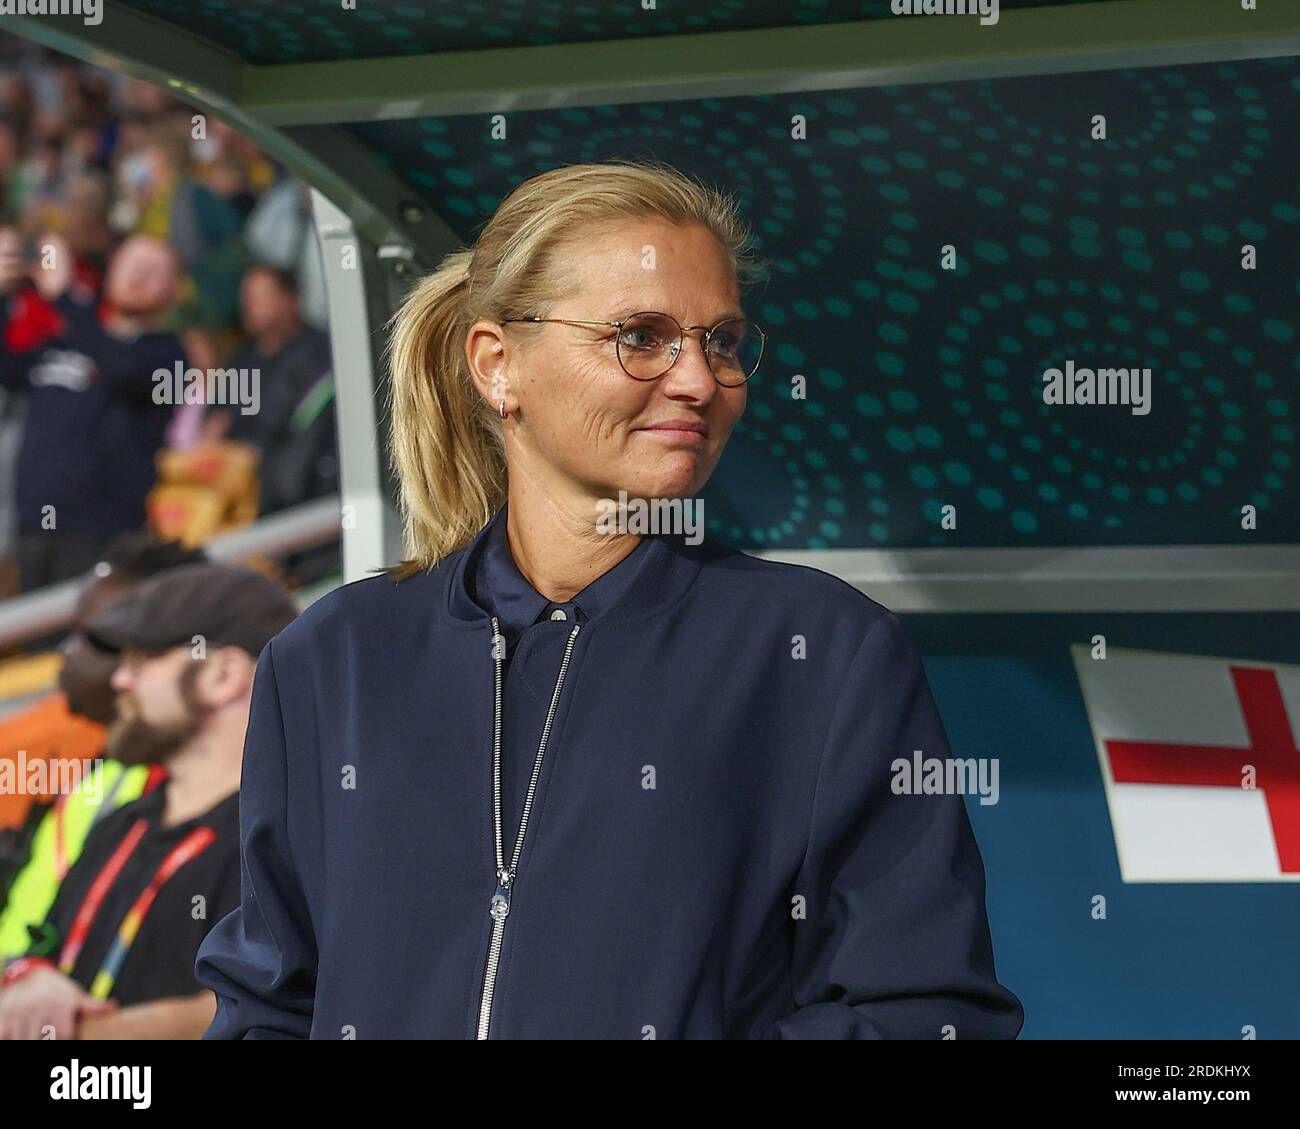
(446, 448)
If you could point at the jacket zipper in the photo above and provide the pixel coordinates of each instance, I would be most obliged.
(499, 906)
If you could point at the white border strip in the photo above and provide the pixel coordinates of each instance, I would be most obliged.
(1190, 578)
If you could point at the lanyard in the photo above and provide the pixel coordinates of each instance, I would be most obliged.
(188, 848)
(157, 774)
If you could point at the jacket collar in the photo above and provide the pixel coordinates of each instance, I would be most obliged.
(647, 581)
(498, 586)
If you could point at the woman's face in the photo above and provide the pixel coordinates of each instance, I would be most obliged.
(580, 427)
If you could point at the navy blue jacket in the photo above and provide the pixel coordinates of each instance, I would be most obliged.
(714, 849)
(92, 428)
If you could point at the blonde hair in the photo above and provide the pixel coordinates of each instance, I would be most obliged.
(447, 447)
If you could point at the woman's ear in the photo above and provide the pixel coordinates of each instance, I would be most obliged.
(487, 351)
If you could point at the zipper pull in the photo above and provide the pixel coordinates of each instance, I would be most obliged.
(499, 906)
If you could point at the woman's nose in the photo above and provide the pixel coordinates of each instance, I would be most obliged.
(690, 373)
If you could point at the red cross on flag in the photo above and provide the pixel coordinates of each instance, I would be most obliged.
(1200, 762)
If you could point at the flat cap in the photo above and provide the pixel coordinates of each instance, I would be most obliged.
(226, 604)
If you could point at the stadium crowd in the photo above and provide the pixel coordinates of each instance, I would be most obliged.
(138, 235)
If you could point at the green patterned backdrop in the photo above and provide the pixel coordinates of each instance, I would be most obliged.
(924, 385)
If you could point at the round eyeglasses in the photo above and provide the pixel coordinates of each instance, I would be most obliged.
(648, 345)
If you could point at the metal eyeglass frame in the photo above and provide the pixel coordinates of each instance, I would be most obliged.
(677, 349)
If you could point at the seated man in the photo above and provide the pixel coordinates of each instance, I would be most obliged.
(117, 954)
(41, 835)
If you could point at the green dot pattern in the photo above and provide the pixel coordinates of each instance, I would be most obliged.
(924, 384)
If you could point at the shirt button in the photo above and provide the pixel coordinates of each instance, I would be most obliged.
(558, 614)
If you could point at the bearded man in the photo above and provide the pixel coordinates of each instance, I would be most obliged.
(116, 955)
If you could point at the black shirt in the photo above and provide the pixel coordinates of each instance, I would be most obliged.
(160, 961)
(294, 424)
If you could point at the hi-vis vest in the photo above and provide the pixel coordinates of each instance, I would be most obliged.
(57, 845)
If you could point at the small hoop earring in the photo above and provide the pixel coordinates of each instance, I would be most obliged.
(503, 409)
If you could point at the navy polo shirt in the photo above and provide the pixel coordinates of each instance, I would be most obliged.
(500, 588)
(536, 631)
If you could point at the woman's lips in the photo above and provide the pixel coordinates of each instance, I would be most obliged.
(680, 431)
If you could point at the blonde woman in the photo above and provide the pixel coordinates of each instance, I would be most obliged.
(558, 776)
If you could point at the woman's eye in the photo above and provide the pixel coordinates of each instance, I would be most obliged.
(638, 339)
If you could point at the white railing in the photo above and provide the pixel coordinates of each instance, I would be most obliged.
(302, 527)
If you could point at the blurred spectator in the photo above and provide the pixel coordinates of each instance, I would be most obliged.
(35, 190)
(222, 143)
(11, 149)
(281, 233)
(228, 178)
(203, 227)
(92, 427)
(33, 320)
(16, 99)
(85, 218)
(294, 428)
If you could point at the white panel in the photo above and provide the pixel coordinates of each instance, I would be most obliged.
(1137, 696)
(1180, 833)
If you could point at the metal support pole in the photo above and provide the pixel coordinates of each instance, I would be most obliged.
(358, 304)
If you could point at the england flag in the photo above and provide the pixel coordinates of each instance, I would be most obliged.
(1200, 763)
